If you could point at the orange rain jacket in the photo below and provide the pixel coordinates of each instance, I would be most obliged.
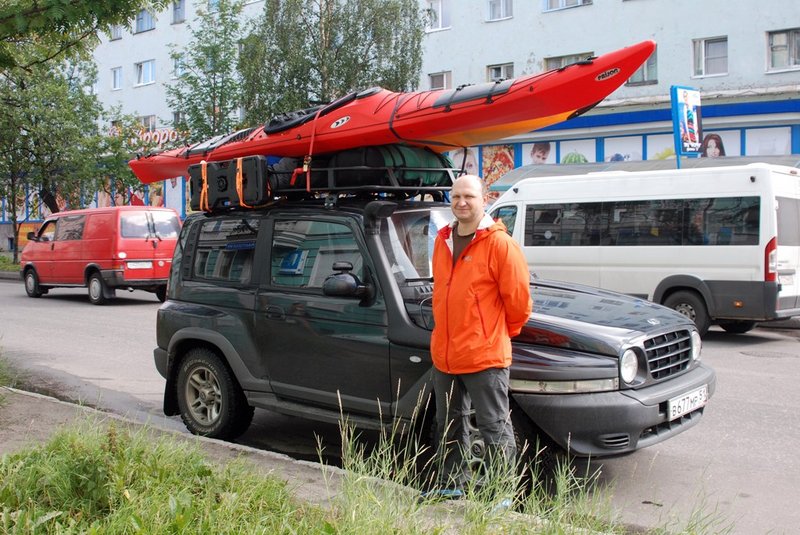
(480, 302)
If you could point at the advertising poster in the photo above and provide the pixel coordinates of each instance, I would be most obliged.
(465, 159)
(686, 120)
(538, 153)
(497, 161)
(623, 149)
(173, 195)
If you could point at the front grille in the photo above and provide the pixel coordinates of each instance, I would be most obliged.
(668, 354)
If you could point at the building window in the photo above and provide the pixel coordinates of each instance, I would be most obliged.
(439, 14)
(115, 32)
(177, 66)
(784, 49)
(144, 21)
(646, 74)
(178, 118)
(557, 62)
(178, 11)
(440, 80)
(500, 9)
(550, 5)
(116, 78)
(710, 56)
(499, 72)
(146, 72)
(148, 122)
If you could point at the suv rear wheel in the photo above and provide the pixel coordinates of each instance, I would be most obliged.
(211, 402)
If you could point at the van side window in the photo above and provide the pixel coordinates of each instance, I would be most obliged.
(304, 251)
(70, 227)
(225, 250)
(706, 221)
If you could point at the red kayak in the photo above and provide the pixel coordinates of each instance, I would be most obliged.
(440, 120)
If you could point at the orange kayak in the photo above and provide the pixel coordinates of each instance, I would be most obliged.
(440, 120)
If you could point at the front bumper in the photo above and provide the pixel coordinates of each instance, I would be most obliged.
(611, 423)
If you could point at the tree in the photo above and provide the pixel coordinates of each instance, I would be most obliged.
(207, 92)
(49, 138)
(305, 52)
(60, 24)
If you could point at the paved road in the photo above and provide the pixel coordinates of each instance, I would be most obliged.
(739, 464)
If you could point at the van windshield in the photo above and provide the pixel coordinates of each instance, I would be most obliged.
(137, 225)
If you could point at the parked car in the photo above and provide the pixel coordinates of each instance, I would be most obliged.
(103, 249)
(321, 307)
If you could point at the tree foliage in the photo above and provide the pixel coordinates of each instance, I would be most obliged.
(207, 91)
(61, 25)
(304, 52)
(49, 138)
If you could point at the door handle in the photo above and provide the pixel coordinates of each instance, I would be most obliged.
(275, 312)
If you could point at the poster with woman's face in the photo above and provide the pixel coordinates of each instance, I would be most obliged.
(497, 161)
(465, 160)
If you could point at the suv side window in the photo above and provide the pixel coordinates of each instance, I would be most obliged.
(304, 251)
(225, 249)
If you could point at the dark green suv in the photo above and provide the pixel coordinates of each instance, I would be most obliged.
(320, 307)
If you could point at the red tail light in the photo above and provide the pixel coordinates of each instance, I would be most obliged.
(771, 261)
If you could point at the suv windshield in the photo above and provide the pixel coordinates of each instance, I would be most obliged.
(408, 238)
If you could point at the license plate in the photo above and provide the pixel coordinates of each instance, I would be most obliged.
(788, 280)
(677, 407)
(140, 265)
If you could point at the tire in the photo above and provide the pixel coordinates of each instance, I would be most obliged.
(210, 400)
(691, 305)
(737, 326)
(97, 289)
(32, 287)
(161, 293)
(538, 455)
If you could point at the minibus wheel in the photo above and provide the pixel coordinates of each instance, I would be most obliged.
(32, 287)
(97, 291)
(737, 326)
(691, 305)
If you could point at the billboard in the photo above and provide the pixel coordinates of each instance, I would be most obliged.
(686, 121)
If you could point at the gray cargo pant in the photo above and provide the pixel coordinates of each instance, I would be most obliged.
(487, 393)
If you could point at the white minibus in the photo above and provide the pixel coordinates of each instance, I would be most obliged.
(719, 244)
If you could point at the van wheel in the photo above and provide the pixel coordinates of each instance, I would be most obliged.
(692, 306)
(32, 287)
(97, 289)
(161, 293)
(211, 402)
(737, 326)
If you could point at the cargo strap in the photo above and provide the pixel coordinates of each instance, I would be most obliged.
(307, 159)
(204, 186)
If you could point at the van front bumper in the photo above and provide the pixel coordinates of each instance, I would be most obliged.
(612, 423)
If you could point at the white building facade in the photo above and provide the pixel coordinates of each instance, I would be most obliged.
(744, 58)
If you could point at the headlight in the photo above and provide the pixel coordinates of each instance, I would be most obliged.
(563, 387)
(697, 344)
(628, 366)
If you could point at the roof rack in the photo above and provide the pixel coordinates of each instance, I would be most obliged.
(252, 182)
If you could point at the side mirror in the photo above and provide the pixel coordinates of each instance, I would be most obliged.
(346, 284)
(32, 236)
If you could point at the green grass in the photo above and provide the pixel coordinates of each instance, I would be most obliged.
(6, 264)
(98, 479)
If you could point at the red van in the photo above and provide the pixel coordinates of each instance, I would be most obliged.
(127, 247)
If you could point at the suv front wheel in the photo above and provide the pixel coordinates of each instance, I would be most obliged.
(211, 402)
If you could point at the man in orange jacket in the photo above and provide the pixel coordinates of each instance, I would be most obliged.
(481, 299)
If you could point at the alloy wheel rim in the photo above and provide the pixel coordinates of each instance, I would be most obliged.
(204, 396)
